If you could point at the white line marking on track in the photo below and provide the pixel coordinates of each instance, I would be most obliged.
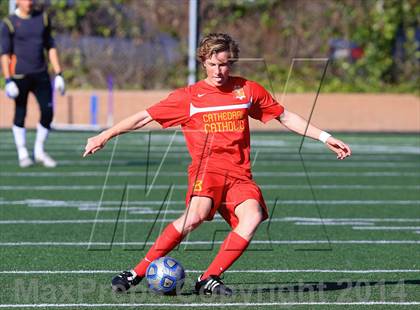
(214, 305)
(280, 242)
(228, 271)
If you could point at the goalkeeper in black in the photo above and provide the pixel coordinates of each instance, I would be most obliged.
(25, 36)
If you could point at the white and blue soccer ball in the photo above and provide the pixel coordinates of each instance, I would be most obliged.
(165, 275)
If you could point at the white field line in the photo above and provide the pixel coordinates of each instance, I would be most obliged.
(269, 148)
(286, 157)
(184, 187)
(113, 221)
(269, 242)
(99, 205)
(368, 219)
(302, 221)
(214, 305)
(341, 164)
(179, 141)
(166, 220)
(135, 210)
(332, 223)
(162, 140)
(267, 152)
(94, 221)
(387, 228)
(29, 272)
(338, 164)
(263, 146)
(297, 220)
(139, 137)
(184, 174)
(184, 163)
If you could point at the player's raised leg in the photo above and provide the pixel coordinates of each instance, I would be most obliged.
(171, 236)
(250, 215)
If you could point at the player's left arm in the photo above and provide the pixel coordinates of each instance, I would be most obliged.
(297, 124)
(54, 60)
(49, 45)
(59, 83)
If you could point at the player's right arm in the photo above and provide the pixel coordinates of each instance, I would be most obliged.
(131, 123)
(5, 62)
(6, 48)
(12, 91)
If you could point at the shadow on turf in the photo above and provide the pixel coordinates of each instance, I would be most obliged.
(316, 286)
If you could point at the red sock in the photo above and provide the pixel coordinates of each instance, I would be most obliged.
(168, 239)
(230, 250)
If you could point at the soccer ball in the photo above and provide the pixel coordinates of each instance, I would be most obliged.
(165, 275)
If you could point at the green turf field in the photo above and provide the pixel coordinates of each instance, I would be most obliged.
(341, 233)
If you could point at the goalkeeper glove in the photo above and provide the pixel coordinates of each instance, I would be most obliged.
(12, 91)
(59, 84)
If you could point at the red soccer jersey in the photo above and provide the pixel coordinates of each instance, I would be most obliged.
(215, 124)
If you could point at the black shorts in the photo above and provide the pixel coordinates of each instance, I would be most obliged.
(40, 85)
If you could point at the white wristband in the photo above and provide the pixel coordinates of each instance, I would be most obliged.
(323, 137)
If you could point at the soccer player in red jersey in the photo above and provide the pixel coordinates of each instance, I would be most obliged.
(213, 114)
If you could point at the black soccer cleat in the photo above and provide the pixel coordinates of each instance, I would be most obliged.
(126, 279)
(213, 285)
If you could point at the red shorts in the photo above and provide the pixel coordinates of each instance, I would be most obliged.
(226, 192)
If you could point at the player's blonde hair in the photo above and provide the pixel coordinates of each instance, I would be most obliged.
(215, 43)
